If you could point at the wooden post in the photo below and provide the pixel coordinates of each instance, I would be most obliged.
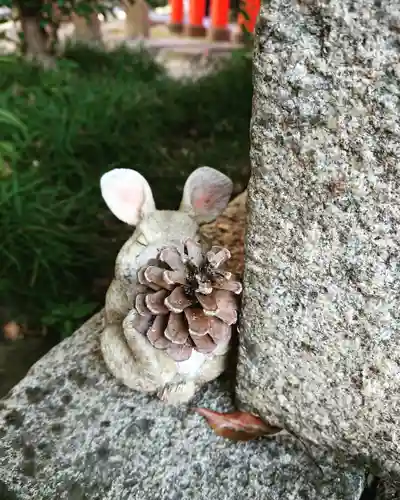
(176, 20)
(252, 8)
(197, 10)
(87, 30)
(137, 21)
(219, 20)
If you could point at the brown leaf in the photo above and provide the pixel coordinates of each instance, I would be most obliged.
(12, 330)
(238, 425)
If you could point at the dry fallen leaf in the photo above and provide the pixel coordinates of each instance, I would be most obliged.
(243, 426)
(238, 425)
(12, 330)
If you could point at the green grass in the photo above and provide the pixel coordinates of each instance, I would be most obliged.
(99, 111)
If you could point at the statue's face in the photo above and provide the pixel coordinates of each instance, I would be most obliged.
(165, 226)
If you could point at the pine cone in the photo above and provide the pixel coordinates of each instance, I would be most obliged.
(189, 302)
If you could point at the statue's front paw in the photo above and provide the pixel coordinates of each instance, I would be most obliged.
(177, 394)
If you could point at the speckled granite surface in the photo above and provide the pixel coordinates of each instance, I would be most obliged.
(387, 491)
(69, 431)
(320, 348)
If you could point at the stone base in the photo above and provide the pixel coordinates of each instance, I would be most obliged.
(70, 427)
(176, 28)
(195, 31)
(387, 491)
(220, 34)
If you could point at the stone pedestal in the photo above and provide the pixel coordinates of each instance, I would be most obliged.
(70, 430)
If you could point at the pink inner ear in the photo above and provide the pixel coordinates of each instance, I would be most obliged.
(130, 196)
(203, 199)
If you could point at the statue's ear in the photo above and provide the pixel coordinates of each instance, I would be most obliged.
(127, 194)
(206, 194)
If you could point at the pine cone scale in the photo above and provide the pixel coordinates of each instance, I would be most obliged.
(180, 352)
(218, 256)
(140, 304)
(208, 302)
(143, 281)
(155, 275)
(155, 302)
(194, 252)
(228, 317)
(176, 330)
(198, 322)
(177, 301)
(155, 333)
(230, 286)
(174, 277)
(172, 257)
(219, 331)
(205, 344)
(142, 323)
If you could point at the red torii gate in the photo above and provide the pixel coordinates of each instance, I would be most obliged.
(219, 29)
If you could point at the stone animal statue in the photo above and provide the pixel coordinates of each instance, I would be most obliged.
(128, 354)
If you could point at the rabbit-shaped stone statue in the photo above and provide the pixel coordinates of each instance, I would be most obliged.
(129, 355)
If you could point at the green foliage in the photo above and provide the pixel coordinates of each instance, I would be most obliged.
(44, 12)
(96, 112)
(66, 316)
(8, 148)
(16, 131)
(156, 3)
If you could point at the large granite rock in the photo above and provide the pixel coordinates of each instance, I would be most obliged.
(320, 330)
(69, 431)
(387, 492)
